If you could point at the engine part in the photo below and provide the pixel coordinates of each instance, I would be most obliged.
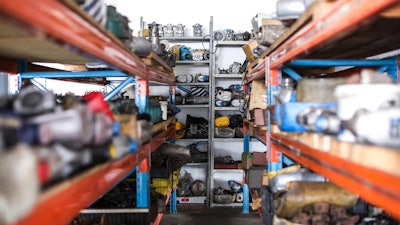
(202, 78)
(178, 154)
(235, 68)
(224, 132)
(197, 54)
(31, 101)
(221, 103)
(20, 187)
(198, 188)
(380, 127)
(237, 102)
(73, 127)
(287, 92)
(278, 182)
(180, 30)
(206, 55)
(245, 36)
(141, 46)
(354, 97)
(160, 30)
(229, 35)
(303, 193)
(224, 95)
(195, 154)
(185, 53)
(169, 30)
(196, 127)
(156, 47)
(196, 100)
(286, 114)
(222, 121)
(224, 160)
(235, 186)
(322, 120)
(219, 35)
(154, 110)
(186, 78)
(318, 90)
(118, 24)
(291, 9)
(197, 30)
(144, 130)
(224, 198)
(185, 181)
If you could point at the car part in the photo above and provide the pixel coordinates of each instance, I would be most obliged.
(291, 9)
(303, 193)
(197, 54)
(186, 78)
(235, 68)
(198, 188)
(323, 120)
(224, 132)
(31, 101)
(20, 187)
(219, 35)
(168, 30)
(278, 182)
(202, 78)
(380, 127)
(185, 53)
(180, 30)
(197, 30)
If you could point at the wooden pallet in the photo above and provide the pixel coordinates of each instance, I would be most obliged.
(157, 63)
(161, 126)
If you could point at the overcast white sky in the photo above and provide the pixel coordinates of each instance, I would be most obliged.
(234, 15)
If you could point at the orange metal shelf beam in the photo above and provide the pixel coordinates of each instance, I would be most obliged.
(343, 17)
(340, 19)
(60, 204)
(376, 187)
(55, 20)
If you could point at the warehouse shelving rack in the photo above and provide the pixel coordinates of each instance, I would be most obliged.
(337, 33)
(60, 32)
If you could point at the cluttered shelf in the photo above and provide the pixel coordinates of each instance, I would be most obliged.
(73, 38)
(355, 167)
(320, 33)
(61, 203)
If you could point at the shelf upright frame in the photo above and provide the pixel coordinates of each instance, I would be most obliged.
(143, 170)
(273, 80)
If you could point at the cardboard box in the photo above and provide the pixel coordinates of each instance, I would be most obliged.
(259, 159)
(248, 50)
(247, 160)
(258, 95)
(254, 176)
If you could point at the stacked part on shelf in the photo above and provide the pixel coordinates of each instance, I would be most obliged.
(346, 107)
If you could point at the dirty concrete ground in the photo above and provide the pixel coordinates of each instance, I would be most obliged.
(201, 215)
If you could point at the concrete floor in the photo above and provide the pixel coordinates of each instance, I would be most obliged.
(200, 215)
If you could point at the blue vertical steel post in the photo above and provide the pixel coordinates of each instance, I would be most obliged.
(246, 129)
(246, 199)
(172, 202)
(273, 80)
(142, 174)
(22, 68)
(142, 189)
